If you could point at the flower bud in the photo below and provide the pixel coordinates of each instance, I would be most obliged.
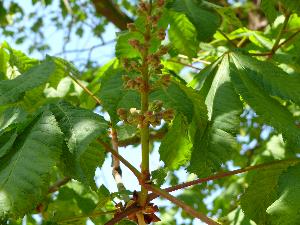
(122, 113)
(161, 34)
(168, 115)
(131, 27)
(134, 43)
(160, 3)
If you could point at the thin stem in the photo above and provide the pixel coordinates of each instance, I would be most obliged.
(123, 160)
(227, 38)
(85, 89)
(116, 169)
(181, 204)
(225, 174)
(184, 64)
(288, 39)
(58, 184)
(276, 44)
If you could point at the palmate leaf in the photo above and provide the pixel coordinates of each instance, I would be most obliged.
(215, 141)
(285, 210)
(255, 91)
(261, 193)
(270, 77)
(24, 170)
(201, 14)
(175, 147)
(182, 34)
(81, 128)
(13, 90)
(19, 59)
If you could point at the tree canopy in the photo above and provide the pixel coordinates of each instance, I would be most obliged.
(211, 87)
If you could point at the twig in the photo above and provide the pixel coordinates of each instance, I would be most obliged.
(123, 160)
(85, 89)
(276, 44)
(181, 204)
(225, 174)
(184, 64)
(227, 38)
(58, 184)
(68, 7)
(116, 169)
(288, 39)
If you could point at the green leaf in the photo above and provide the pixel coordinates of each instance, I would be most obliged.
(175, 97)
(24, 170)
(13, 90)
(237, 217)
(270, 77)
(11, 116)
(215, 142)
(273, 113)
(7, 140)
(123, 48)
(261, 193)
(4, 57)
(19, 59)
(268, 7)
(229, 16)
(182, 34)
(201, 14)
(158, 176)
(285, 210)
(81, 127)
(112, 93)
(175, 147)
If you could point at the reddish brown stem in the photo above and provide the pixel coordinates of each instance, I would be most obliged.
(223, 175)
(123, 160)
(181, 204)
(58, 184)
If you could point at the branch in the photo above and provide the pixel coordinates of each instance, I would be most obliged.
(112, 13)
(154, 135)
(58, 184)
(181, 204)
(123, 160)
(225, 174)
(116, 169)
(128, 211)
